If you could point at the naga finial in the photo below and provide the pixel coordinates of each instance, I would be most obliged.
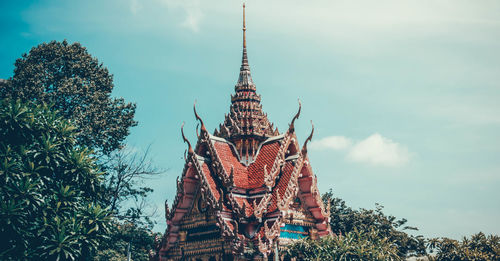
(292, 126)
(190, 149)
(304, 148)
(203, 129)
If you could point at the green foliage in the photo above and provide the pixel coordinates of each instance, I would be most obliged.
(79, 87)
(110, 255)
(50, 188)
(355, 245)
(478, 248)
(140, 239)
(344, 219)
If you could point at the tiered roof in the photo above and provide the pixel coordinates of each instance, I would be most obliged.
(246, 125)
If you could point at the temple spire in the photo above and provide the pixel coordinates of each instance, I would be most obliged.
(245, 82)
(246, 125)
(244, 61)
(244, 29)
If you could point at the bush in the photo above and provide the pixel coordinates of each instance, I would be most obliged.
(355, 245)
(344, 219)
(479, 247)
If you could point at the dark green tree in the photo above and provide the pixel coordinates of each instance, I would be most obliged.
(344, 219)
(79, 87)
(355, 245)
(478, 247)
(50, 188)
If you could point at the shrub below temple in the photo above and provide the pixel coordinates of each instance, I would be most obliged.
(355, 245)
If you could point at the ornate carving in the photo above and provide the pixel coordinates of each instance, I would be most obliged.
(261, 209)
(292, 188)
(274, 231)
(239, 211)
(227, 180)
(226, 231)
(180, 187)
(237, 245)
(204, 187)
(167, 210)
(264, 248)
(317, 196)
(299, 216)
(179, 195)
(270, 177)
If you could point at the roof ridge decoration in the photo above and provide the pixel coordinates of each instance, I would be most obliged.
(304, 147)
(221, 174)
(261, 209)
(190, 149)
(291, 127)
(270, 177)
(292, 188)
(203, 129)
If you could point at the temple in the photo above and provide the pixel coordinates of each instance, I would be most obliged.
(246, 190)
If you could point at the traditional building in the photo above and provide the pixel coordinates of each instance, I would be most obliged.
(246, 190)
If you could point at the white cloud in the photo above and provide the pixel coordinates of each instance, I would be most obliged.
(374, 150)
(331, 142)
(378, 150)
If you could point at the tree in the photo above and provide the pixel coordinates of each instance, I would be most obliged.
(355, 245)
(124, 191)
(478, 247)
(128, 237)
(79, 87)
(49, 201)
(344, 219)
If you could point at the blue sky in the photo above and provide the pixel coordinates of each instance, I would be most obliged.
(404, 94)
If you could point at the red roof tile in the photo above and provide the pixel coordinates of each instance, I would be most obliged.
(282, 185)
(210, 180)
(247, 177)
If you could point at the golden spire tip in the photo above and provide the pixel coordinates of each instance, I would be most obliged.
(244, 28)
